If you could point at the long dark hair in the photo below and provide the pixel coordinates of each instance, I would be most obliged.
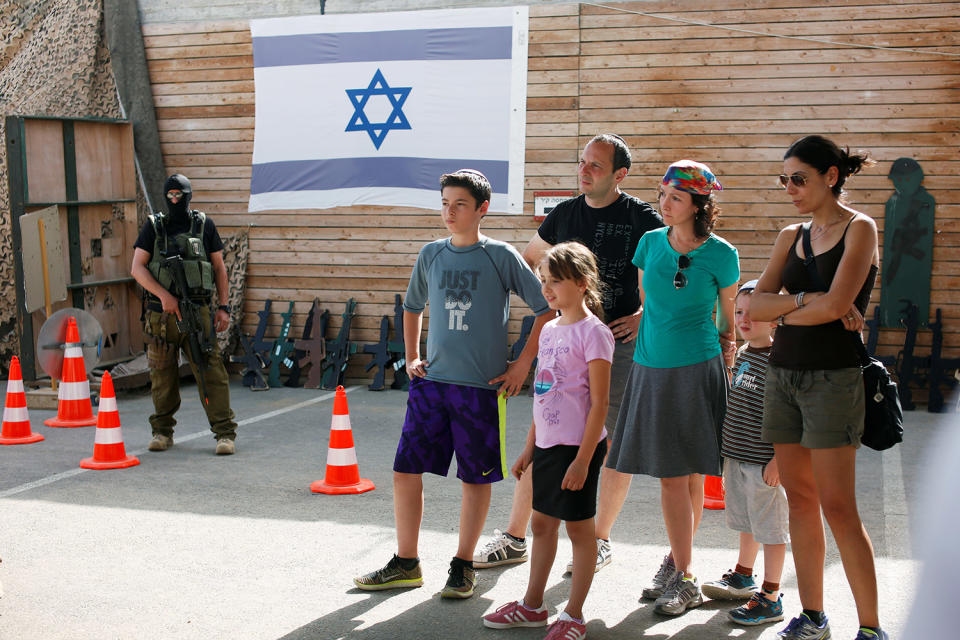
(822, 153)
(573, 261)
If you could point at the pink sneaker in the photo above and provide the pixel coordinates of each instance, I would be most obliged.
(514, 614)
(566, 630)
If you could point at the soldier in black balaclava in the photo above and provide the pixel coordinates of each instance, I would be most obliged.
(178, 208)
(192, 236)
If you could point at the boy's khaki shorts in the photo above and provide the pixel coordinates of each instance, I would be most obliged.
(819, 409)
(752, 506)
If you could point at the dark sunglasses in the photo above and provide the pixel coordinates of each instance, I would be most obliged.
(680, 280)
(798, 179)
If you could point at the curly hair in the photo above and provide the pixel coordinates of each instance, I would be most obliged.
(707, 213)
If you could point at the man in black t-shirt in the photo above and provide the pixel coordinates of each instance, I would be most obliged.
(192, 236)
(610, 223)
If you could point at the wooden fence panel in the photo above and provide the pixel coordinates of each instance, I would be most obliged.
(731, 86)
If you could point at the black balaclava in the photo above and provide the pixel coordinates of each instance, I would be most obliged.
(178, 210)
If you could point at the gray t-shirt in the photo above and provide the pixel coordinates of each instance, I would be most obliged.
(468, 289)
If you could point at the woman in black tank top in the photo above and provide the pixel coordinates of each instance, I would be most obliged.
(813, 401)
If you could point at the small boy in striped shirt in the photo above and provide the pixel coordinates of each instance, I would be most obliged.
(755, 503)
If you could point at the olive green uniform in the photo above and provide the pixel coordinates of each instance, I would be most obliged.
(162, 355)
(166, 339)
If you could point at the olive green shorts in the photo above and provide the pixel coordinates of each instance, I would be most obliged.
(819, 409)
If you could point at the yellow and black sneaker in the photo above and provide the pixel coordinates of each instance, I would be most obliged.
(462, 579)
(392, 576)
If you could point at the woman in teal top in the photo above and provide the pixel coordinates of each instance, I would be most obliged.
(676, 393)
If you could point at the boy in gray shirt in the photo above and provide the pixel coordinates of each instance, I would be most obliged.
(455, 406)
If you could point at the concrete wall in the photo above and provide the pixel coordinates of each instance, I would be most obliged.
(166, 11)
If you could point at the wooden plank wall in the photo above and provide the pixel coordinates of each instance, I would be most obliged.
(732, 99)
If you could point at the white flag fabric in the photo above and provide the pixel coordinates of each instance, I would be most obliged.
(372, 108)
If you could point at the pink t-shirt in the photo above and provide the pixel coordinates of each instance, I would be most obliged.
(562, 383)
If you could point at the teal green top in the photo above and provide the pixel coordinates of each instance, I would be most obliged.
(677, 327)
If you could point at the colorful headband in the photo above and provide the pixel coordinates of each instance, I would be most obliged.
(692, 177)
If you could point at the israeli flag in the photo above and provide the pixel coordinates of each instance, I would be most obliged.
(372, 108)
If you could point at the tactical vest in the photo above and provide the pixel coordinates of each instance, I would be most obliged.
(189, 245)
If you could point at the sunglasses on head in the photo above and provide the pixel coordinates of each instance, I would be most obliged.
(680, 279)
(798, 179)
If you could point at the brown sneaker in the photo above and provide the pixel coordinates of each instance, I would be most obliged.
(160, 442)
(392, 576)
(226, 447)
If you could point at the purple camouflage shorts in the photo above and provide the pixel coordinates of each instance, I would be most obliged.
(444, 419)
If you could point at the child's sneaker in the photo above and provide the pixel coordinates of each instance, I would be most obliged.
(514, 614)
(604, 556)
(660, 581)
(566, 628)
(870, 634)
(461, 580)
(391, 576)
(759, 610)
(732, 586)
(803, 628)
(681, 594)
(501, 549)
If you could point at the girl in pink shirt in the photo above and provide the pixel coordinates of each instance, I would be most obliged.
(567, 441)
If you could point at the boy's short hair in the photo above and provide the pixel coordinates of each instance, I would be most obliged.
(471, 180)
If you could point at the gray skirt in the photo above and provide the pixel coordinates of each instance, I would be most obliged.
(670, 420)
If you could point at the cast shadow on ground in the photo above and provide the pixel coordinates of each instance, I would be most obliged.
(439, 619)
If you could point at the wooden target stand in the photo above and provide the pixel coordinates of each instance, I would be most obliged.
(84, 168)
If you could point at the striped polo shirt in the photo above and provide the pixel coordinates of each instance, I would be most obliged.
(741, 425)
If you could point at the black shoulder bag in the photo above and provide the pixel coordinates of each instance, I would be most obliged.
(883, 417)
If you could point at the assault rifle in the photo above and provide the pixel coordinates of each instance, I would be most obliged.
(339, 350)
(314, 347)
(400, 378)
(199, 344)
(281, 347)
(938, 367)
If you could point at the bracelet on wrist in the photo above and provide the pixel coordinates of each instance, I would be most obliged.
(799, 300)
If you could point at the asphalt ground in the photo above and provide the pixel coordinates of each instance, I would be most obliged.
(189, 545)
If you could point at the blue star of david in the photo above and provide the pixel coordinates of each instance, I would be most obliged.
(396, 120)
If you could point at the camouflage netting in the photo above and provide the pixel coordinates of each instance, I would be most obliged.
(53, 62)
(235, 251)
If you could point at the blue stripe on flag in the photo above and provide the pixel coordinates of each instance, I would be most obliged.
(479, 43)
(346, 173)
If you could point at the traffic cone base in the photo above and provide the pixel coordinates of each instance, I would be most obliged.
(343, 473)
(16, 418)
(73, 406)
(713, 493)
(361, 486)
(128, 461)
(108, 449)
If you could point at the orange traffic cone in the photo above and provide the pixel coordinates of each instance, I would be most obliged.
(713, 492)
(73, 407)
(16, 420)
(108, 449)
(343, 474)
